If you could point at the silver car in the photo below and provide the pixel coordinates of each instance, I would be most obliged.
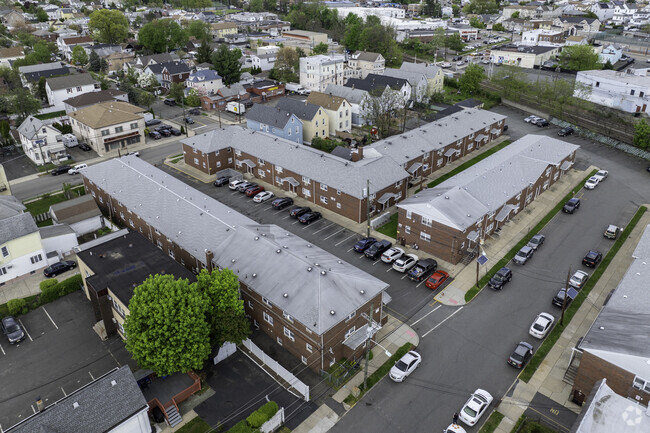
(523, 255)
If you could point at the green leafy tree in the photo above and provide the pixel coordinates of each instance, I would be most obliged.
(160, 36)
(498, 27)
(256, 5)
(199, 29)
(41, 91)
(94, 62)
(11, 77)
(470, 81)
(321, 48)
(193, 99)
(108, 26)
(353, 29)
(642, 134)
(5, 133)
(226, 62)
(381, 107)
(380, 39)
(176, 92)
(579, 58)
(195, 4)
(476, 23)
(286, 64)
(166, 327)
(79, 56)
(145, 99)
(41, 15)
(515, 15)
(454, 42)
(432, 8)
(24, 104)
(204, 52)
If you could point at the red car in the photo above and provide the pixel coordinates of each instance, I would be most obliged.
(436, 279)
(251, 192)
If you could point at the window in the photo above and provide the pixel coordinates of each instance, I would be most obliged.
(409, 214)
(323, 187)
(105, 132)
(261, 127)
(340, 125)
(323, 199)
(260, 173)
(171, 254)
(332, 361)
(407, 230)
(278, 169)
(289, 334)
(35, 259)
(5, 252)
(306, 180)
(268, 319)
(317, 124)
(632, 92)
(134, 126)
(597, 83)
(118, 308)
(297, 130)
(306, 192)
(279, 340)
(289, 133)
(398, 184)
(121, 329)
(267, 302)
(118, 129)
(426, 221)
(439, 163)
(638, 383)
(250, 305)
(78, 88)
(309, 348)
(338, 205)
(304, 360)
(425, 237)
(68, 90)
(287, 316)
(641, 94)
(3, 271)
(351, 315)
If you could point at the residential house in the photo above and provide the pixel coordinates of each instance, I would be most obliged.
(59, 89)
(275, 121)
(67, 44)
(205, 82)
(174, 72)
(306, 299)
(541, 37)
(104, 50)
(220, 30)
(66, 14)
(354, 97)
(265, 62)
(87, 99)
(604, 11)
(153, 71)
(274, 28)
(575, 40)
(450, 220)
(12, 18)
(417, 80)
(8, 55)
(617, 344)
(116, 61)
(52, 11)
(316, 72)
(618, 90)
(313, 117)
(363, 63)
(145, 61)
(58, 241)
(623, 12)
(81, 214)
(111, 403)
(108, 125)
(45, 35)
(434, 74)
(40, 141)
(610, 53)
(219, 101)
(523, 56)
(338, 110)
(377, 84)
(578, 26)
(33, 73)
(539, 12)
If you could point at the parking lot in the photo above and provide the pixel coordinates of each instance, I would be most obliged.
(60, 353)
(175, 114)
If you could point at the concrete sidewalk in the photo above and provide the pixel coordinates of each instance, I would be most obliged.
(548, 379)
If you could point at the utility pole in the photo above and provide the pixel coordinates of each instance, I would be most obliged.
(566, 288)
(184, 118)
(368, 336)
(368, 207)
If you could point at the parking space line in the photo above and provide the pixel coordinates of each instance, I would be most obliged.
(421, 282)
(417, 321)
(309, 225)
(50, 317)
(405, 274)
(3, 351)
(349, 250)
(353, 234)
(91, 375)
(295, 222)
(33, 409)
(118, 363)
(376, 262)
(361, 256)
(288, 216)
(329, 225)
(64, 392)
(443, 321)
(389, 269)
(334, 234)
(25, 329)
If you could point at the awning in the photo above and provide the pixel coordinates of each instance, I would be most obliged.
(473, 236)
(385, 298)
(494, 131)
(450, 152)
(412, 169)
(360, 335)
(384, 198)
(249, 163)
(480, 137)
(121, 137)
(291, 180)
(504, 212)
(566, 165)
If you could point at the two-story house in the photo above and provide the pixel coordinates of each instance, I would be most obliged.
(108, 125)
(265, 62)
(417, 80)
(376, 85)
(67, 44)
(314, 118)
(174, 72)
(205, 82)
(363, 63)
(8, 55)
(276, 121)
(58, 89)
(354, 97)
(220, 30)
(435, 75)
(338, 110)
(578, 26)
(39, 141)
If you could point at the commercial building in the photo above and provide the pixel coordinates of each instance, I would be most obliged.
(522, 56)
(619, 90)
(449, 220)
(541, 37)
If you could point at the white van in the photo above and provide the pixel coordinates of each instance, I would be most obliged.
(76, 168)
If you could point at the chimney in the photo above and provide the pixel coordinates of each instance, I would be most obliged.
(209, 255)
(357, 154)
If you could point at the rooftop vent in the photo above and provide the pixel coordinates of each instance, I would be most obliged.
(278, 251)
(75, 405)
(286, 295)
(332, 312)
(309, 269)
(363, 292)
(254, 275)
(233, 261)
(113, 383)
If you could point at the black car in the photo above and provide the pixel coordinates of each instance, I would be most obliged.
(170, 101)
(165, 132)
(194, 111)
(363, 244)
(12, 329)
(59, 268)
(62, 169)
(281, 202)
(375, 250)
(503, 276)
(592, 258)
(558, 300)
(188, 120)
(84, 147)
(541, 123)
(565, 131)
(571, 205)
(299, 211)
(521, 355)
(152, 122)
(223, 180)
(309, 217)
(175, 132)
(163, 126)
(423, 269)
(155, 135)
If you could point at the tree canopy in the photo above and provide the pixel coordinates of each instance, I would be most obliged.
(226, 62)
(286, 65)
(160, 36)
(579, 58)
(470, 81)
(79, 55)
(108, 26)
(642, 134)
(481, 7)
(199, 29)
(321, 48)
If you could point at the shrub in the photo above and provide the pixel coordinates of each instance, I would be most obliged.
(241, 427)
(17, 306)
(49, 294)
(70, 285)
(262, 415)
(48, 283)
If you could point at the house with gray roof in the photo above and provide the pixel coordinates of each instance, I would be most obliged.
(435, 75)
(59, 89)
(449, 220)
(275, 121)
(417, 80)
(41, 142)
(354, 96)
(33, 73)
(301, 295)
(313, 117)
(81, 214)
(376, 85)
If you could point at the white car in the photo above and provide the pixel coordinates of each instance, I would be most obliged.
(405, 366)
(475, 407)
(601, 175)
(263, 196)
(592, 182)
(235, 183)
(578, 279)
(530, 119)
(136, 153)
(454, 428)
(392, 254)
(405, 262)
(445, 65)
(542, 325)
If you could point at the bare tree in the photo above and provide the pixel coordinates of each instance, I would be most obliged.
(382, 107)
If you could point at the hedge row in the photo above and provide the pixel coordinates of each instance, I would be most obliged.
(51, 289)
(256, 419)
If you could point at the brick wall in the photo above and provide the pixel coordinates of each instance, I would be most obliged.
(208, 163)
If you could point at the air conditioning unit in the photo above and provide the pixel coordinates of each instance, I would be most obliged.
(114, 320)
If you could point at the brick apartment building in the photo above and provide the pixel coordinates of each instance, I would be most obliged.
(617, 346)
(308, 300)
(449, 220)
(335, 183)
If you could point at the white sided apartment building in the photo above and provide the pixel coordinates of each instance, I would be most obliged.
(316, 72)
(619, 90)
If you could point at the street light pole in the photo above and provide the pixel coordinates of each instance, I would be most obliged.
(566, 288)
(368, 207)
(368, 340)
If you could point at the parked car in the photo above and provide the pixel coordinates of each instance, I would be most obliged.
(571, 205)
(536, 241)
(263, 196)
(76, 168)
(601, 175)
(578, 279)
(541, 325)
(422, 269)
(475, 407)
(309, 217)
(500, 279)
(592, 258)
(445, 65)
(592, 182)
(242, 187)
(565, 131)
(235, 183)
(530, 119)
(523, 255)
(152, 122)
(436, 280)
(84, 147)
(521, 355)
(12, 329)
(541, 123)
(405, 366)
(405, 262)
(164, 132)
(392, 254)
(175, 132)
(221, 181)
(282, 202)
(454, 428)
(194, 111)
(253, 190)
(558, 300)
(170, 102)
(60, 170)
(59, 268)
(612, 232)
(155, 135)
(375, 250)
(363, 244)
(188, 120)
(298, 211)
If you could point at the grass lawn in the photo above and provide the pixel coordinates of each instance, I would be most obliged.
(50, 115)
(197, 425)
(43, 204)
(390, 228)
(492, 423)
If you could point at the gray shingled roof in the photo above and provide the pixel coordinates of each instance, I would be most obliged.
(353, 96)
(414, 78)
(266, 258)
(429, 70)
(102, 406)
(55, 230)
(10, 206)
(374, 81)
(58, 83)
(30, 127)
(304, 110)
(16, 226)
(268, 115)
